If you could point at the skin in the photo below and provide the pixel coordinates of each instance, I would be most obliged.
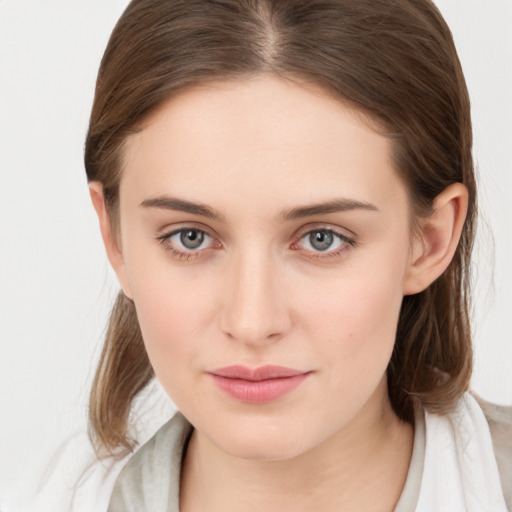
(257, 292)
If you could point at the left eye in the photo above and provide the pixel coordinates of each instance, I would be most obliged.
(190, 239)
(322, 240)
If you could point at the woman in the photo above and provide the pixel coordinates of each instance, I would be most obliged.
(286, 193)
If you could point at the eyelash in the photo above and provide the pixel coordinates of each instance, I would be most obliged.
(346, 243)
(181, 254)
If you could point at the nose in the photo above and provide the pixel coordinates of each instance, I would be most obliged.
(255, 307)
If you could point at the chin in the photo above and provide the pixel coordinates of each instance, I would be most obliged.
(263, 448)
(265, 438)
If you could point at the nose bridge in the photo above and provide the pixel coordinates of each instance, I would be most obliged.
(254, 309)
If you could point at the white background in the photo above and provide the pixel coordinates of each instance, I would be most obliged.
(55, 285)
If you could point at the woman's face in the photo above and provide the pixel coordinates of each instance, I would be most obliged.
(263, 225)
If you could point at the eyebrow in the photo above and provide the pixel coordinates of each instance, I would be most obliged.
(180, 205)
(334, 206)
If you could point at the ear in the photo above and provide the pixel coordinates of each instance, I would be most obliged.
(435, 244)
(112, 246)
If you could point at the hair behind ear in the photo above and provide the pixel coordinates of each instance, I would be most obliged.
(122, 372)
(432, 359)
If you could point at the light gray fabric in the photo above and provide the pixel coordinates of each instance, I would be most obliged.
(151, 479)
(411, 491)
(500, 424)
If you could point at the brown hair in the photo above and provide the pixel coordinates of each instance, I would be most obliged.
(394, 60)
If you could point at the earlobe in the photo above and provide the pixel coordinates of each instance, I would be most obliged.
(437, 240)
(110, 241)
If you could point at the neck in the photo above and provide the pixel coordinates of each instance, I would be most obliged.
(363, 467)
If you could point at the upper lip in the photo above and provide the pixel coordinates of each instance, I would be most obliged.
(256, 374)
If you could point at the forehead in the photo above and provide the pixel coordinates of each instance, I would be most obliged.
(258, 138)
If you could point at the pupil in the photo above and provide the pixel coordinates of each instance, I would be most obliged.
(192, 238)
(321, 240)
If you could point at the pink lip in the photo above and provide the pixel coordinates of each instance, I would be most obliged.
(258, 385)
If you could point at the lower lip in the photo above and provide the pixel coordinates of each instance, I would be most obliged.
(261, 391)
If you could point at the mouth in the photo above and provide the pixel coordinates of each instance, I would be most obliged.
(258, 385)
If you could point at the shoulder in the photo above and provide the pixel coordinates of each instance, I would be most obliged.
(74, 478)
(499, 418)
(460, 449)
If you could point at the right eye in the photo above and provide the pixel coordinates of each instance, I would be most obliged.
(190, 239)
(322, 240)
(187, 242)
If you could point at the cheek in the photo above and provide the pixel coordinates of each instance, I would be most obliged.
(173, 312)
(354, 322)
(359, 319)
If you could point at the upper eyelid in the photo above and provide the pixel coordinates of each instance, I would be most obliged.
(327, 230)
(309, 228)
(168, 231)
